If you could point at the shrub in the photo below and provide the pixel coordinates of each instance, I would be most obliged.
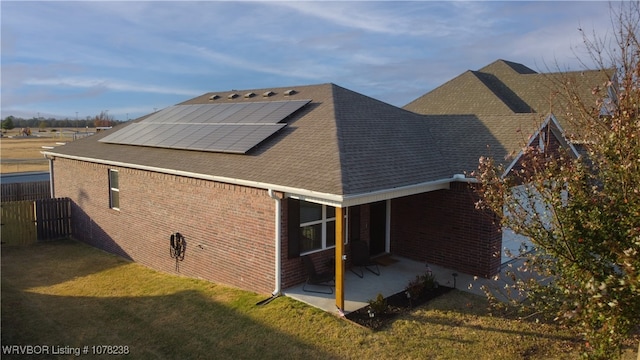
(415, 287)
(379, 305)
(429, 281)
(420, 284)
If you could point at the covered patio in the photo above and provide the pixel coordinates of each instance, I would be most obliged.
(393, 279)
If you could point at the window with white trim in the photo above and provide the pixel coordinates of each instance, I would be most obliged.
(317, 227)
(114, 190)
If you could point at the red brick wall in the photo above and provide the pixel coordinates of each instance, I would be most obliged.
(229, 229)
(292, 269)
(365, 229)
(444, 228)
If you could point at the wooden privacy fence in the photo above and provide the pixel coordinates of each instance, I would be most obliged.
(25, 191)
(18, 223)
(26, 222)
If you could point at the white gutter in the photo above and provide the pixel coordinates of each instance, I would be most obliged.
(296, 193)
(51, 185)
(278, 244)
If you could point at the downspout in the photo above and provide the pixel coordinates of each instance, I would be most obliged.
(278, 244)
(51, 187)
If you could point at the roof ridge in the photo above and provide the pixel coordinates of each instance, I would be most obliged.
(512, 66)
(408, 105)
(503, 92)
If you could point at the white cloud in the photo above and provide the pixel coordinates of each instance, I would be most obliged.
(88, 53)
(308, 70)
(109, 84)
(395, 18)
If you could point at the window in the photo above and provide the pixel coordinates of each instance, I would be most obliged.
(114, 190)
(317, 226)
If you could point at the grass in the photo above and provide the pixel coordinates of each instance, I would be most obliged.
(69, 294)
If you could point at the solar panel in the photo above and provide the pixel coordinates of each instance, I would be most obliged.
(211, 135)
(165, 113)
(224, 127)
(194, 115)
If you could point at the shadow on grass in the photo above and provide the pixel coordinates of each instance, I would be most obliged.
(184, 324)
(468, 306)
(178, 326)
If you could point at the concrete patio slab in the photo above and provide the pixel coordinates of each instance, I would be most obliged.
(393, 279)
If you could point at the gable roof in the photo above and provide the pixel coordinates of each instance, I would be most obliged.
(342, 143)
(549, 126)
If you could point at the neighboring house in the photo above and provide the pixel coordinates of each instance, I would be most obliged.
(254, 179)
(498, 110)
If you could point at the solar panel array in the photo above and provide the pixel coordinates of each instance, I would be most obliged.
(224, 127)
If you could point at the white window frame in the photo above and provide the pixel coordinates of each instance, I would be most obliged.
(113, 190)
(324, 220)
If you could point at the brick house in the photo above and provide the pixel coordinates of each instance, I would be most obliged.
(292, 165)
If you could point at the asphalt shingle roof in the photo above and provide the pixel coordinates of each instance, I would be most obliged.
(499, 106)
(341, 143)
(504, 88)
(345, 143)
(464, 138)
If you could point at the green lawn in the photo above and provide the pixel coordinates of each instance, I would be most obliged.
(68, 294)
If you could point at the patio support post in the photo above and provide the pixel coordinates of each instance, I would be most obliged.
(340, 258)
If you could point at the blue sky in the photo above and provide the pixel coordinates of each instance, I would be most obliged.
(131, 57)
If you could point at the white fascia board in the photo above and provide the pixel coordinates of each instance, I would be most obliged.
(559, 134)
(296, 193)
(371, 197)
(531, 139)
(221, 179)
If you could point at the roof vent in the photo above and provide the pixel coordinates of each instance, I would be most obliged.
(289, 92)
(232, 96)
(268, 93)
(249, 95)
(214, 97)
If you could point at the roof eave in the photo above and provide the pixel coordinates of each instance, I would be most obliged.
(335, 200)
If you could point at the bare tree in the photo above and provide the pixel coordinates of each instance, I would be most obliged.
(583, 213)
(103, 119)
